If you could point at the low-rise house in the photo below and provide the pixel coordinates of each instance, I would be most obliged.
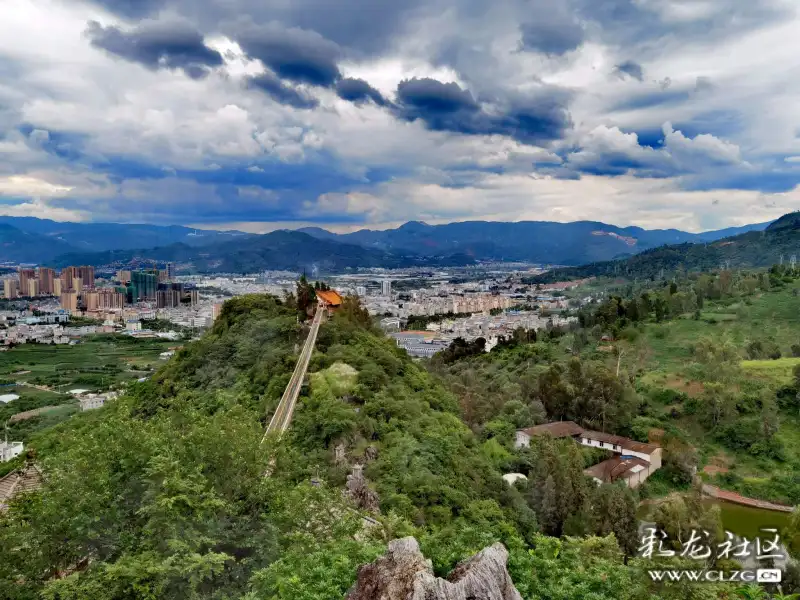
(631, 470)
(557, 429)
(635, 463)
(94, 401)
(9, 450)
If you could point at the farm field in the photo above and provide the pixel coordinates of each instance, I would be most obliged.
(97, 363)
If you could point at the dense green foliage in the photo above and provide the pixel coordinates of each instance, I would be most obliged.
(751, 249)
(170, 492)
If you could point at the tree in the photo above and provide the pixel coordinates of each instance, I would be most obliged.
(549, 511)
(305, 296)
(614, 510)
(680, 461)
(719, 405)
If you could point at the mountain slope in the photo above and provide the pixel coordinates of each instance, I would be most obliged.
(751, 249)
(97, 237)
(535, 241)
(291, 250)
(22, 246)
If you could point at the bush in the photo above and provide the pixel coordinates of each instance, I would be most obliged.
(668, 396)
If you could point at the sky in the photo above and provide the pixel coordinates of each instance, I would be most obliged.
(266, 114)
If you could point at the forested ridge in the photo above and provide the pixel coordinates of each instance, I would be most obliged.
(779, 241)
(169, 493)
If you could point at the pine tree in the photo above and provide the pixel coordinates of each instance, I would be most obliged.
(549, 513)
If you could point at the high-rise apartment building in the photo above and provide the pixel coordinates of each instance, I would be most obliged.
(386, 288)
(144, 285)
(10, 288)
(87, 276)
(47, 279)
(69, 301)
(169, 298)
(57, 285)
(91, 301)
(68, 276)
(25, 277)
(105, 299)
(170, 271)
(361, 291)
(216, 310)
(33, 288)
(124, 276)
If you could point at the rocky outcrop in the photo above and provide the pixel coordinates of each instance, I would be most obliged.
(339, 456)
(359, 491)
(370, 453)
(403, 573)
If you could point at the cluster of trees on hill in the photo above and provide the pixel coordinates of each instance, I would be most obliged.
(752, 249)
(163, 493)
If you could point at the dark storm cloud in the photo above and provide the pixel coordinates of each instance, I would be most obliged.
(552, 36)
(157, 46)
(447, 107)
(426, 98)
(132, 8)
(631, 69)
(358, 91)
(632, 22)
(294, 54)
(282, 93)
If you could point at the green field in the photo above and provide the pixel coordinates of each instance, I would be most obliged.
(772, 316)
(97, 363)
(779, 371)
(662, 357)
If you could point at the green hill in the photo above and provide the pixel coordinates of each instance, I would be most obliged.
(22, 246)
(751, 249)
(290, 250)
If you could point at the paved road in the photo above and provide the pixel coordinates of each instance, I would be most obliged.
(283, 414)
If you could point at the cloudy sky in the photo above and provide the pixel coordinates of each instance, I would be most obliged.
(263, 114)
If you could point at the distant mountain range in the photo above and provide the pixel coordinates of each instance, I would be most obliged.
(531, 241)
(750, 249)
(414, 244)
(28, 239)
(289, 250)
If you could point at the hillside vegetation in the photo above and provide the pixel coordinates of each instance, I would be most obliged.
(752, 249)
(169, 492)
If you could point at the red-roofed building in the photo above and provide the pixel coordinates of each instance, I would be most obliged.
(635, 463)
(329, 299)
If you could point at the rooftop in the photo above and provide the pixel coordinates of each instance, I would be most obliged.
(615, 468)
(557, 429)
(626, 443)
(329, 297)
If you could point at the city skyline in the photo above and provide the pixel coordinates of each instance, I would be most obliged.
(254, 117)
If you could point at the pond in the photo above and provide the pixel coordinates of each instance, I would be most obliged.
(747, 521)
(744, 521)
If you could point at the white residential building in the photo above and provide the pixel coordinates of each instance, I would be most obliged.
(9, 450)
(94, 401)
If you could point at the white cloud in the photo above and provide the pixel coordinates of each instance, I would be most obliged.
(56, 83)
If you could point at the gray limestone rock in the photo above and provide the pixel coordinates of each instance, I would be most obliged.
(403, 573)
